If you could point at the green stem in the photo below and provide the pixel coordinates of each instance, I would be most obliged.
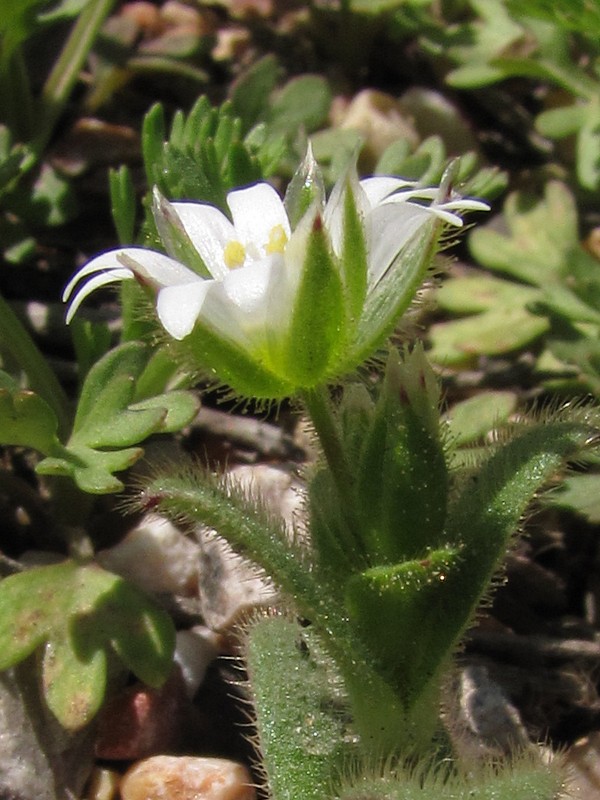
(64, 74)
(318, 405)
(15, 340)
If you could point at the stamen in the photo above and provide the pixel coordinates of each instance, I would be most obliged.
(234, 254)
(277, 240)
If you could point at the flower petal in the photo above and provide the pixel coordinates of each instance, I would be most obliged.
(391, 227)
(256, 211)
(209, 231)
(248, 288)
(156, 268)
(103, 279)
(178, 307)
(105, 261)
(379, 187)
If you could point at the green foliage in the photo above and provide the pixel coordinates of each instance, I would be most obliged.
(279, 119)
(524, 777)
(201, 157)
(374, 577)
(304, 764)
(468, 421)
(582, 16)
(504, 40)
(112, 415)
(554, 290)
(425, 163)
(81, 617)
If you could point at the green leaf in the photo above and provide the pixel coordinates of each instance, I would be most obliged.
(300, 734)
(109, 421)
(303, 103)
(180, 406)
(588, 148)
(560, 122)
(471, 419)
(27, 420)
(30, 604)
(249, 94)
(123, 203)
(542, 234)
(501, 330)
(92, 470)
(73, 682)
(103, 416)
(580, 494)
(83, 616)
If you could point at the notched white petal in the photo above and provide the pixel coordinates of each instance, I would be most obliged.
(103, 279)
(378, 187)
(101, 263)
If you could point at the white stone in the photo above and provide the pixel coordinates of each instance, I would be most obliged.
(229, 586)
(156, 557)
(187, 778)
(195, 649)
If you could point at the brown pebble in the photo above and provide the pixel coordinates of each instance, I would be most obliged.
(187, 778)
(141, 721)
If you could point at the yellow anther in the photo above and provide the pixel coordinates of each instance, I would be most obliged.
(277, 240)
(234, 254)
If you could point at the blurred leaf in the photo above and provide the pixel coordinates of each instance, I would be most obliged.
(249, 94)
(491, 333)
(83, 615)
(302, 104)
(27, 420)
(473, 418)
(541, 236)
(578, 493)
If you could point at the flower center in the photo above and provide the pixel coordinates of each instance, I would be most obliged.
(234, 254)
(277, 240)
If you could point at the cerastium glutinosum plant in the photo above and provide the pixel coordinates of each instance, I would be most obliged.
(284, 300)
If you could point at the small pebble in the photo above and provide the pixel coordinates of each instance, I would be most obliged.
(187, 778)
(103, 784)
(195, 650)
(141, 721)
(156, 557)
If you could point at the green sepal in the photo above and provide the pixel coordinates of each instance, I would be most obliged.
(354, 261)
(387, 301)
(400, 611)
(84, 616)
(174, 237)
(305, 189)
(317, 330)
(226, 362)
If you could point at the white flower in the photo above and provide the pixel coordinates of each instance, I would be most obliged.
(295, 306)
(239, 256)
